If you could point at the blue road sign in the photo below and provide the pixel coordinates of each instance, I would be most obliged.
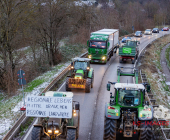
(21, 80)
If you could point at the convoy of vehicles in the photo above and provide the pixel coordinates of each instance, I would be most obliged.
(129, 51)
(58, 128)
(102, 45)
(81, 75)
(127, 107)
(138, 33)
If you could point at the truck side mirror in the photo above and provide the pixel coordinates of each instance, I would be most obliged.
(138, 42)
(87, 42)
(71, 63)
(146, 103)
(108, 87)
(108, 44)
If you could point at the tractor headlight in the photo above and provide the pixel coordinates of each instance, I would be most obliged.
(89, 56)
(74, 113)
(49, 131)
(104, 57)
(72, 67)
(88, 68)
(56, 131)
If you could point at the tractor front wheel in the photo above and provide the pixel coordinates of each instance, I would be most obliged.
(88, 85)
(36, 133)
(67, 84)
(71, 134)
(110, 129)
(146, 132)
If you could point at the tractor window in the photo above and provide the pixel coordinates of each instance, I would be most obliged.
(80, 65)
(131, 43)
(98, 44)
(129, 97)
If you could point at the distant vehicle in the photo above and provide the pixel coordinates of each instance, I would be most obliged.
(125, 39)
(138, 33)
(148, 32)
(155, 30)
(165, 29)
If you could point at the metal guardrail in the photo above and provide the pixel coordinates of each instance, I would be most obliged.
(15, 128)
(158, 129)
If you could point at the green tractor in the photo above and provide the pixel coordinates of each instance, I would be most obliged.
(127, 112)
(81, 75)
(62, 128)
(129, 51)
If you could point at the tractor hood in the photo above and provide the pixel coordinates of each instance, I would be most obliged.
(79, 74)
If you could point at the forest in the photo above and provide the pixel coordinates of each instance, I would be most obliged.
(39, 26)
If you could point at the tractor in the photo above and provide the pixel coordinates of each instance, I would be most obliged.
(81, 75)
(128, 113)
(52, 128)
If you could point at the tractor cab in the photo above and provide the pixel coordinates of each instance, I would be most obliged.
(132, 43)
(80, 68)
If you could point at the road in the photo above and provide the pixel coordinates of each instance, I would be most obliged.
(92, 105)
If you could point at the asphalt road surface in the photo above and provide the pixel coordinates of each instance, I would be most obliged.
(92, 105)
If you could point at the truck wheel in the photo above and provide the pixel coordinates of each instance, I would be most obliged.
(110, 129)
(36, 133)
(133, 61)
(71, 134)
(146, 131)
(120, 60)
(67, 83)
(88, 85)
(92, 80)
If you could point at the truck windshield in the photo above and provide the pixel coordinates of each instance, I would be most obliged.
(129, 97)
(98, 44)
(130, 43)
(80, 65)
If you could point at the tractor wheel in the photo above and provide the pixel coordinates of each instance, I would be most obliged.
(71, 134)
(67, 83)
(92, 80)
(88, 85)
(146, 132)
(110, 129)
(36, 133)
(120, 60)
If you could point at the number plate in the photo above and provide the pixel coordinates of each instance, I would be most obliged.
(96, 60)
(77, 86)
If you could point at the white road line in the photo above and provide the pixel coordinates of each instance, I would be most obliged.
(61, 86)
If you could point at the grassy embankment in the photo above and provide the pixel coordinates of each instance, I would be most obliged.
(151, 66)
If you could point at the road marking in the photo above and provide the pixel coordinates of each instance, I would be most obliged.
(25, 138)
(61, 86)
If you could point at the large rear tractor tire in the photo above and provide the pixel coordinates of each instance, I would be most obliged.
(71, 134)
(146, 132)
(110, 129)
(88, 85)
(36, 133)
(92, 81)
(67, 84)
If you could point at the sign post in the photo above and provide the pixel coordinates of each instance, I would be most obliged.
(22, 81)
(133, 28)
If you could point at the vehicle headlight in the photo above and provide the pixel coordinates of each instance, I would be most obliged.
(49, 131)
(72, 67)
(56, 131)
(88, 68)
(89, 56)
(104, 57)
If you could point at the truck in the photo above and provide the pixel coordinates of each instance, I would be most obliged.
(62, 127)
(130, 50)
(102, 45)
(128, 113)
(81, 75)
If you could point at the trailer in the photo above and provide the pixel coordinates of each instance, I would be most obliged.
(102, 45)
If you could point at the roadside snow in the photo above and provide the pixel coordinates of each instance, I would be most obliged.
(7, 123)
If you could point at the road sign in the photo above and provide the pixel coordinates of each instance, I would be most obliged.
(21, 80)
